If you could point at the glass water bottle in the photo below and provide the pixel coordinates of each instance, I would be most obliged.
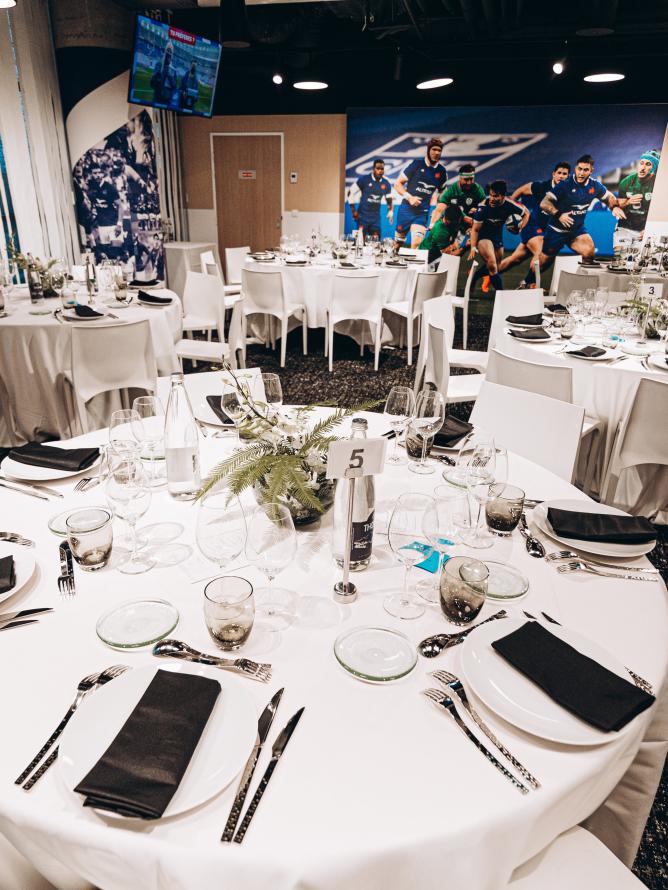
(363, 512)
(181, 444)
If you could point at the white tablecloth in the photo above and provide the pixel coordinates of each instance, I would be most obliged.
(35, 351)
(617, 281)
(377, 790)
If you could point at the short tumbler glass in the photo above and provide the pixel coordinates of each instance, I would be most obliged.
(90, 536)
(229, 611)
(503, 508)
(463, 589)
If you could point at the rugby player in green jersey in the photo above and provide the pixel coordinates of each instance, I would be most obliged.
(634, 196)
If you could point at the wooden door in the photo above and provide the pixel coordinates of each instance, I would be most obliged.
(248, 191)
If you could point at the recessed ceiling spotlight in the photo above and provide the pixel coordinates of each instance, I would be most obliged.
(558, 67)
(434, 83)
(604, 77)
(310, 85)
(277, 79)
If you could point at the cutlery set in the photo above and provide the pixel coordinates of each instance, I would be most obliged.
(9, 620)
(177, 649)
(35, 491)
(434, 645)
(15, 538)
(66, 584)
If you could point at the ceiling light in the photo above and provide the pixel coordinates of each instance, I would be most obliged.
(435, 83)
(7, 4)
(277, 78)
(606, 77)
(233, 25)
(310, 85)
(558, 67)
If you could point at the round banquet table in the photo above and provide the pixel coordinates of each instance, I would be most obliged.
(620, 282)
(35, 353)
(377, 789)
(605, 391)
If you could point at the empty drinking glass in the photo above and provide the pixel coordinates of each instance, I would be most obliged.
(273, 392)
(478, 536)
(221, 526)
(503, 508)
(229, 611)
(399, 409)
(442, 523)
(129, 494)
(271, 545)
(149, 431)
(90, 536)
(463, 589)
(235, 406)
(427, 421)
(122, 439)
(410, 546)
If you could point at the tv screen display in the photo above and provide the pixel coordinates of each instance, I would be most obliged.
(173, 69)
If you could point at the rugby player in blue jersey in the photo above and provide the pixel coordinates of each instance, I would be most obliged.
(487, 230)
(419, 185)
(365, 198)
(531, 236)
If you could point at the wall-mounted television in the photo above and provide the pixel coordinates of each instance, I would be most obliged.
(173, 69)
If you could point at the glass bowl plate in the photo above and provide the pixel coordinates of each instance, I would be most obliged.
(505, 582)
(137, 623)
(375, 654)
(57, 523)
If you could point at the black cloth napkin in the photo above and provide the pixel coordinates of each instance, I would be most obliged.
(531, 334)
(153, 298)
(83, 311)
(36, 455)
(140, 771)
(525, 319)
(452, 432)
(556, 307)
(149, 283)
(575, 681)
(601, 527)
(214, 403)
(397, 263)
(7, 573)
(587, 351)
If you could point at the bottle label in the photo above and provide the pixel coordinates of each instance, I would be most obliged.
(361, 539)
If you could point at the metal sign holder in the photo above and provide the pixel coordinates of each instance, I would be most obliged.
(344, 590)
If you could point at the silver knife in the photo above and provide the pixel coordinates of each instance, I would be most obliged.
(263, 727)
(34, 487)
(18, 624)
(277, 750)
(8, 617)
(28, 491)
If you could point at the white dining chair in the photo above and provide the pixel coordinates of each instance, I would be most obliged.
(201, 297)
(427, 286)
(463, 303)
(449, 264)
(435, 353)
(206, 350)
(544, 430)
(570, 281)
(562, 264)
(641, 438)
(575, 860)
(235, 258)
(512, 302)
(211, 266)
(354, 297)
(110, 357)
(201, 384)
(550, 377)
(263, 294)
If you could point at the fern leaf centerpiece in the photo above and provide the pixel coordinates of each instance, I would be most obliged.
(286, 456)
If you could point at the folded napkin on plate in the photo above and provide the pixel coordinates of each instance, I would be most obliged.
(83, 311)
(525, 319)
(214, 403)
(531, 334)
(575, 681)
(587, 351)
(601, 527)
(140, 771)
(153, 298)
(150, 283)
(398, 263)
(556, 307)
(452, 432)
(37, 455)
(7, 573)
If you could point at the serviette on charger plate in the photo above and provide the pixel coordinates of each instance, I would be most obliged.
(587, 351)
(525, 319)
(142, 768)
(7, 573)
(37, 455)
(84, 311)
(153, 298)
(578, 683)
(531, 334)
(452, 432)
(556, 307)
(601, 527)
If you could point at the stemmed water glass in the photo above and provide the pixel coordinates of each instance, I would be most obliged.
(479, 494)
(273, 392)
(427, 420)
(271, 545)
(221, 526)
(442, 524)
(409, 545)
(149, 431)
(122, 438)
(236, 408)
(399, 409)
(129, 494)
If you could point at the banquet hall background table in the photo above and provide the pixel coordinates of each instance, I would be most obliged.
(619, 282)
(377, 789)
(35, 351)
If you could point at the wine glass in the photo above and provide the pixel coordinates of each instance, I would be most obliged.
(476, 459)
(427, 420)
(128, 492)
(58, 276)
(410, 546)
(221, 526)
(149, 431)
(399, 409)
(236, 408)
(273, 393)
(271, 545)
(122, 437)
(479, 494)
(443, 520)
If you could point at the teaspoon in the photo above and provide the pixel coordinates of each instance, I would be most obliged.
(434, 645)
(533, 545)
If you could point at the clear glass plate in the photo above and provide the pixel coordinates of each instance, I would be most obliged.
(505, 582)
(57, 523)
(137, 623)
(375, 654)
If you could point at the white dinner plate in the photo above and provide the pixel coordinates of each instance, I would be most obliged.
(522, 327)
(622, 551)
(159, 284)
(14, 469)
(607, 354)
(550, 339)
(659, 360)
(511, 695)
(220, 754)
(24, 569)
(152, 305)
(70, 315)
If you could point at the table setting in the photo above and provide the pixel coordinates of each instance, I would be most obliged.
(449, 582)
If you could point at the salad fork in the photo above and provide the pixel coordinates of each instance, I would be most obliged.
(82, 483)
(14, 538)
(558, 555)
(578, 565)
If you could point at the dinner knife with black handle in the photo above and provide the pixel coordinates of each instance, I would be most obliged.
(263, 727)
(277, 750)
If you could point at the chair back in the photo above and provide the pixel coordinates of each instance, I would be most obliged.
(513, 302)
(570, 281)
(562, 264)
(234, 260)
(355, 296)
(549, 378)
(642, 438)
(208, 383)
(450, 264)
(108, 357)
(209, 265)
(428, 286)
(262, 292)
(202, 296)
(546, 431)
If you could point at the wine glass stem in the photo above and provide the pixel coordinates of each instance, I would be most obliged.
(236, 427)
(407, 569)
(133, 535)
(423, 458)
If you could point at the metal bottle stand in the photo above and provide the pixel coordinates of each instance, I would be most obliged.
(345, 591)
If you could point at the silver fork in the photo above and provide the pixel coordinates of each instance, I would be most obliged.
(177, 649)
(82, 483)
(578, 565)
(13, 538)
(455, 684)
(99, 680)
(443, 701)
(557, 555)
(66, 577)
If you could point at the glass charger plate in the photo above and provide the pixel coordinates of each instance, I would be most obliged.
(137, 623)
(505, 582)
(57, 523)
(375, 654)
